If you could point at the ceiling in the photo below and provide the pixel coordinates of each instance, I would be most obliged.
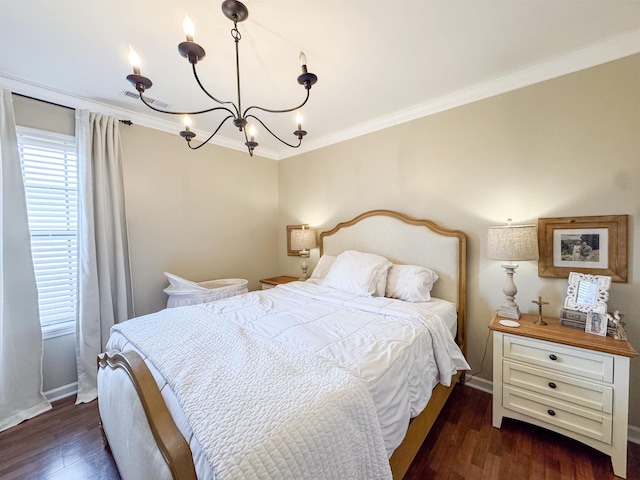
(379, 62)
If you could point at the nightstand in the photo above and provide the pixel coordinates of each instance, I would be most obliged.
(566, 380)
(268, 283)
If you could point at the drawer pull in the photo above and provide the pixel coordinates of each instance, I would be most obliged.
(553, 357)
(552, 385)
(551, 412)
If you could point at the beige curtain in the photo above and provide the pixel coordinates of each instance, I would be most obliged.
(21, 394)
(104, 279)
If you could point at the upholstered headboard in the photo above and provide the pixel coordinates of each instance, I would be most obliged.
(405, 240)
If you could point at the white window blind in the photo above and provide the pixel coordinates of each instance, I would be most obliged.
(50, 171)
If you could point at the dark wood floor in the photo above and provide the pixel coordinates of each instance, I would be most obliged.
(464, 445)
(66, 443)
(63, 443)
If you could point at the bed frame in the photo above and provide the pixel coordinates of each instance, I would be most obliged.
(134, 392)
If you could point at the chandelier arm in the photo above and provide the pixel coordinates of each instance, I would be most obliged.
(210, 136)
(222, 102)
(276, 111)
(185, 113)
(273, 134)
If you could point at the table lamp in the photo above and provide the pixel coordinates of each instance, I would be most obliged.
(303, 240)
(511, 243)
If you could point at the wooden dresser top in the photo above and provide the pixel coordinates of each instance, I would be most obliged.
(554, 332)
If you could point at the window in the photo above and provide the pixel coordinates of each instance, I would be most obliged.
(50, 172)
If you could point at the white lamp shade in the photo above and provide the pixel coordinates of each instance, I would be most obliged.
(512, 243)
(303, 239)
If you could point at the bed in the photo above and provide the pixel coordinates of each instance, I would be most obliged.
(162, 421)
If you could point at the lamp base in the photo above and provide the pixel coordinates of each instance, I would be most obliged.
(304, 266)
(509, 311)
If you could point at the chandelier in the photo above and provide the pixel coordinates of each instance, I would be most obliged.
(236, 12)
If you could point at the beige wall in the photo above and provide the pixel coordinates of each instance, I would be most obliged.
(43, 116)
(203, 215)
(566, 147)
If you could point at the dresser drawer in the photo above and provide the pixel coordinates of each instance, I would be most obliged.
(588, 364)
(556, 412)
(557, 385)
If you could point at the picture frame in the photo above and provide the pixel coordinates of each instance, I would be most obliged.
(587, 293)
(594, 245)
(596, 323)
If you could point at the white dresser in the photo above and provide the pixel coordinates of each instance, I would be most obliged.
(565, 380)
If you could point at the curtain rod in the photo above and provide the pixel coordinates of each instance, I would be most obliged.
(126, 122)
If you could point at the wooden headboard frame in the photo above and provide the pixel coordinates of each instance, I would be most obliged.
(409, 241)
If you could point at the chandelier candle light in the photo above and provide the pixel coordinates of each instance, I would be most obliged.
(511, 243)
(236, 12)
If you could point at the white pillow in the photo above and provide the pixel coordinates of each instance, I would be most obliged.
(410, 283)
(380, 280)
(322, 268)
(359, 273)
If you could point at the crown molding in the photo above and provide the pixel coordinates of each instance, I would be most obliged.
(619, 47)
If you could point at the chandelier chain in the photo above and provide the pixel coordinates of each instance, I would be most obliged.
(239, 109)
(235, 33)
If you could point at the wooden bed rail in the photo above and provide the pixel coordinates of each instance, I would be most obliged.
(419, 427)
(170, 441)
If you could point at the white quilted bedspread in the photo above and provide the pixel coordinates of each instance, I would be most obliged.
(311, 419)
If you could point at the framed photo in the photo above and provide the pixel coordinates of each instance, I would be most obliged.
(596, 323)
(587, 293)
(591, 245)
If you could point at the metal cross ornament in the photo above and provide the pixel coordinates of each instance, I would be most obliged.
(540, 303)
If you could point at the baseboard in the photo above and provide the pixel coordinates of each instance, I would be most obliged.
(479, 383)
(486, 386)
(62, 392)
(634, 434)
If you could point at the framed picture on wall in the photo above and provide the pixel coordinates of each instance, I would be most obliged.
(591, 245)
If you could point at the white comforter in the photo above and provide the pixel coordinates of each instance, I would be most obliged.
(333, 374)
